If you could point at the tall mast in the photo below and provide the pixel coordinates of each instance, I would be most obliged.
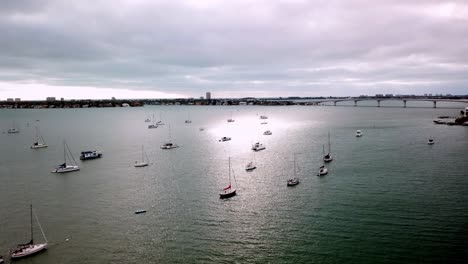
(31, 224)
(64, 153)
(142, 152)
(294, 164)
(37, 135)
(329, 149)
(229, 171)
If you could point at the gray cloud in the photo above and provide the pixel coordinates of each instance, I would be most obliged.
(238, 47)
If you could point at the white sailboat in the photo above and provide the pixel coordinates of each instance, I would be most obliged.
(67, 155)
(293, 181)
(143, 162)
(230, 120)
(153, 125)
(322, 170)
(39, 142)
(169, 144)
(229, 191)
(358, 133)
(23, 250)
(251, 165)
(14, 129)
(328, 157)
(188, 120)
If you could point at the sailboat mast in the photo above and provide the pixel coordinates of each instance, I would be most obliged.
(294, 165)
(64, 153)
(37, 136)
(229, 171)
(329, 148)
(30, 206)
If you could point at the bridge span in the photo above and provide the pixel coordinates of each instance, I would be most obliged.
(404, 100)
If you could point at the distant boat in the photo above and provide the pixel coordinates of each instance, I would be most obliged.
(1, 259)
(169, 144)
(143, 162)
(24, 250)
(322, 171)
(188, 121)
(267, 133)
(251, 165)
(258, 146)
(14, 129)
(263, 123)
(39, 142)
(230, 120)
(224, 139)
(160, 122)
(147, 120)
(153, 125)
(201, 129)
(229, 191)
(430, 141)
(90, 154)
(140, 211)
(328, 157)
(263, 117)
(67, 155)
(358, 133)
(293, 181)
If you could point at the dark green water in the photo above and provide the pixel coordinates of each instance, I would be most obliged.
(389, 197)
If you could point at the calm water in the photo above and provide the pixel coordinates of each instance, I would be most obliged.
(389, 197)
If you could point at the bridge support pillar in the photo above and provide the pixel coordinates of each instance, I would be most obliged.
(434, 104)
(355, 103)
(404, 103)
(378, 103)
(334, 103)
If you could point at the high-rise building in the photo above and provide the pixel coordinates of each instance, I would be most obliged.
(50, 99)
(208, 95)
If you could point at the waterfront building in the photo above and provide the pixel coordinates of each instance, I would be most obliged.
(208, 95)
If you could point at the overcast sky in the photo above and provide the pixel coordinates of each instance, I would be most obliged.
(138, 48)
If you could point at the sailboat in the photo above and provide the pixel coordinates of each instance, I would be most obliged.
(142, 163)
(13, 129)
(251, 165)
(328, 157)
(188, 121)
(293, 181)
(153, 125)
(23, 250)
(62, 168)
(169, 144)
(430, 141)
(160, 122)
(39, 143)
(323, 170)
(229, 191)
(230, 120)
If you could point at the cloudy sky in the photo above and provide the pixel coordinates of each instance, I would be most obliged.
(138, 48)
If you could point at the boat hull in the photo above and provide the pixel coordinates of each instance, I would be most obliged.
(39, 146)
(227, 194)
(91, 157)
(66, 169)
(139, 165)
(28, 251)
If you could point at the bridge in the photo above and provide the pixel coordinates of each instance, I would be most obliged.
(402, 99)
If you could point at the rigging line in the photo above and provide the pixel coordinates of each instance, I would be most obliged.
(40, 226)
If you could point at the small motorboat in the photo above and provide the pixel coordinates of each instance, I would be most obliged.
(90, 154)
(267, 133)
(152, 126)
(250, 166)
(230, 120)
(430, 141)
(263, 123)
(188, 121)
(224, 139)
(293, 182)
(169, 145)
(202, 129)
(263, 117)
(140, 211)
(322, 171)
(258, 146)
(358, 133)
